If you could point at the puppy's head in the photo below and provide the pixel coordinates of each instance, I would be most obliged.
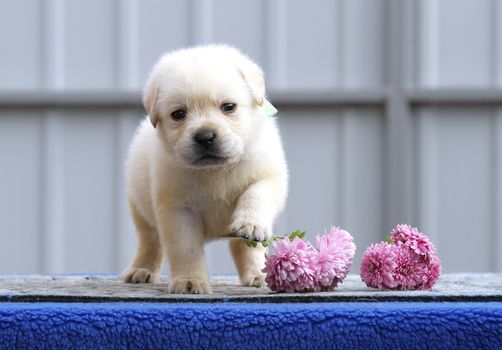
(204, 102)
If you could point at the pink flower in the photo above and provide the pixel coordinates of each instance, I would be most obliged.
(418, 242)
(292, 267)
(421, 245)
(431, 273)
(336, 251)
(414, 257)
(400, 233)
(296, 266)
(378, 265)
(409, 270)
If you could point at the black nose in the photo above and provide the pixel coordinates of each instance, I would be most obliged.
(205, 137)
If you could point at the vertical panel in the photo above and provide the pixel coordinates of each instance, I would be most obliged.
(201, 21)
(463, 139)
(53, 64)
(362, 38)
(411, 47)
(127, 56)
(90, 190)
(125, 240)
(464, 191)
(312, 149)
(275, 20)
(20, 191)
(496, 42)
(464, 42)
(428, 45)
(244, 32)
(313, 39)
(163, 26)
(398, 123)
(90, 44)
(362, 172)
(427, 168)
(497, 191)
(54, 181)
(20, 44)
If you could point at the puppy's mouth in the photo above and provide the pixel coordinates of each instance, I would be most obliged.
(208, 159)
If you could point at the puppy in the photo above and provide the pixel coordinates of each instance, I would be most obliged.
(206, 162)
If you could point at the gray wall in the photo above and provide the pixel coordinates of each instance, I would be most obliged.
(390, 112)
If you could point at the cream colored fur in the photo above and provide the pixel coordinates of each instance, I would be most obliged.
(177, 204)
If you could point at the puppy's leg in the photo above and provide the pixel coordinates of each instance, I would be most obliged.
(184, 239)
(146, 265)
(257, 208)
(249, 262)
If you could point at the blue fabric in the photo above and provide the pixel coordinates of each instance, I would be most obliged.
(390, 325)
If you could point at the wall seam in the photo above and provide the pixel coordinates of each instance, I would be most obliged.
(397, 121)
(53, 142)
(496, 131)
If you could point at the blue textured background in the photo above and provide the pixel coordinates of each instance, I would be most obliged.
(251, 326)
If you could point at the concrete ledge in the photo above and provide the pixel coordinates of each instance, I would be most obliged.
(92, 288)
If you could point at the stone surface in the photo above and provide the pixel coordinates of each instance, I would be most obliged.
(99, 288)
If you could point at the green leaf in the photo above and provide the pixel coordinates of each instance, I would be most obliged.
(268, 109)
(297, 233)
(251, 244)
(266, 243)
(388, 239)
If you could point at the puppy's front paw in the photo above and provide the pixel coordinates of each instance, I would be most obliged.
(140, 275)
(256, 279)
(183, 285)
(252, 230)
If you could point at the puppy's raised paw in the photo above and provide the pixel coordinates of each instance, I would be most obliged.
(251, 230)
(140, 275)
(256, 279)
(183, 285)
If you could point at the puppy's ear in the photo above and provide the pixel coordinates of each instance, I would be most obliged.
(253, 75)
(150, 100)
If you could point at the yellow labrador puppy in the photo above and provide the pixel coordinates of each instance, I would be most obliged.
(205, 163)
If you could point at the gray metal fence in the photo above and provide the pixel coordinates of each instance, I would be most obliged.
(390, 112)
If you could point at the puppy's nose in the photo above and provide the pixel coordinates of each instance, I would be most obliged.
(205, 137)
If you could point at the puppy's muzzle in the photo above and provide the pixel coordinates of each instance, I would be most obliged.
(206, 149)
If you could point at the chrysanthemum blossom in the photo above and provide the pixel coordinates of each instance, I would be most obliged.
(296, 266)
(421, 245)
(416, 265)
(409, 271)
(378, 265)
(410, 236)
(431, 273)
(292, 267)
(335, 253)
(400, 233)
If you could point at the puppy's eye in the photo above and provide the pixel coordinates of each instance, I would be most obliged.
(228, 107)
(179, 114)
